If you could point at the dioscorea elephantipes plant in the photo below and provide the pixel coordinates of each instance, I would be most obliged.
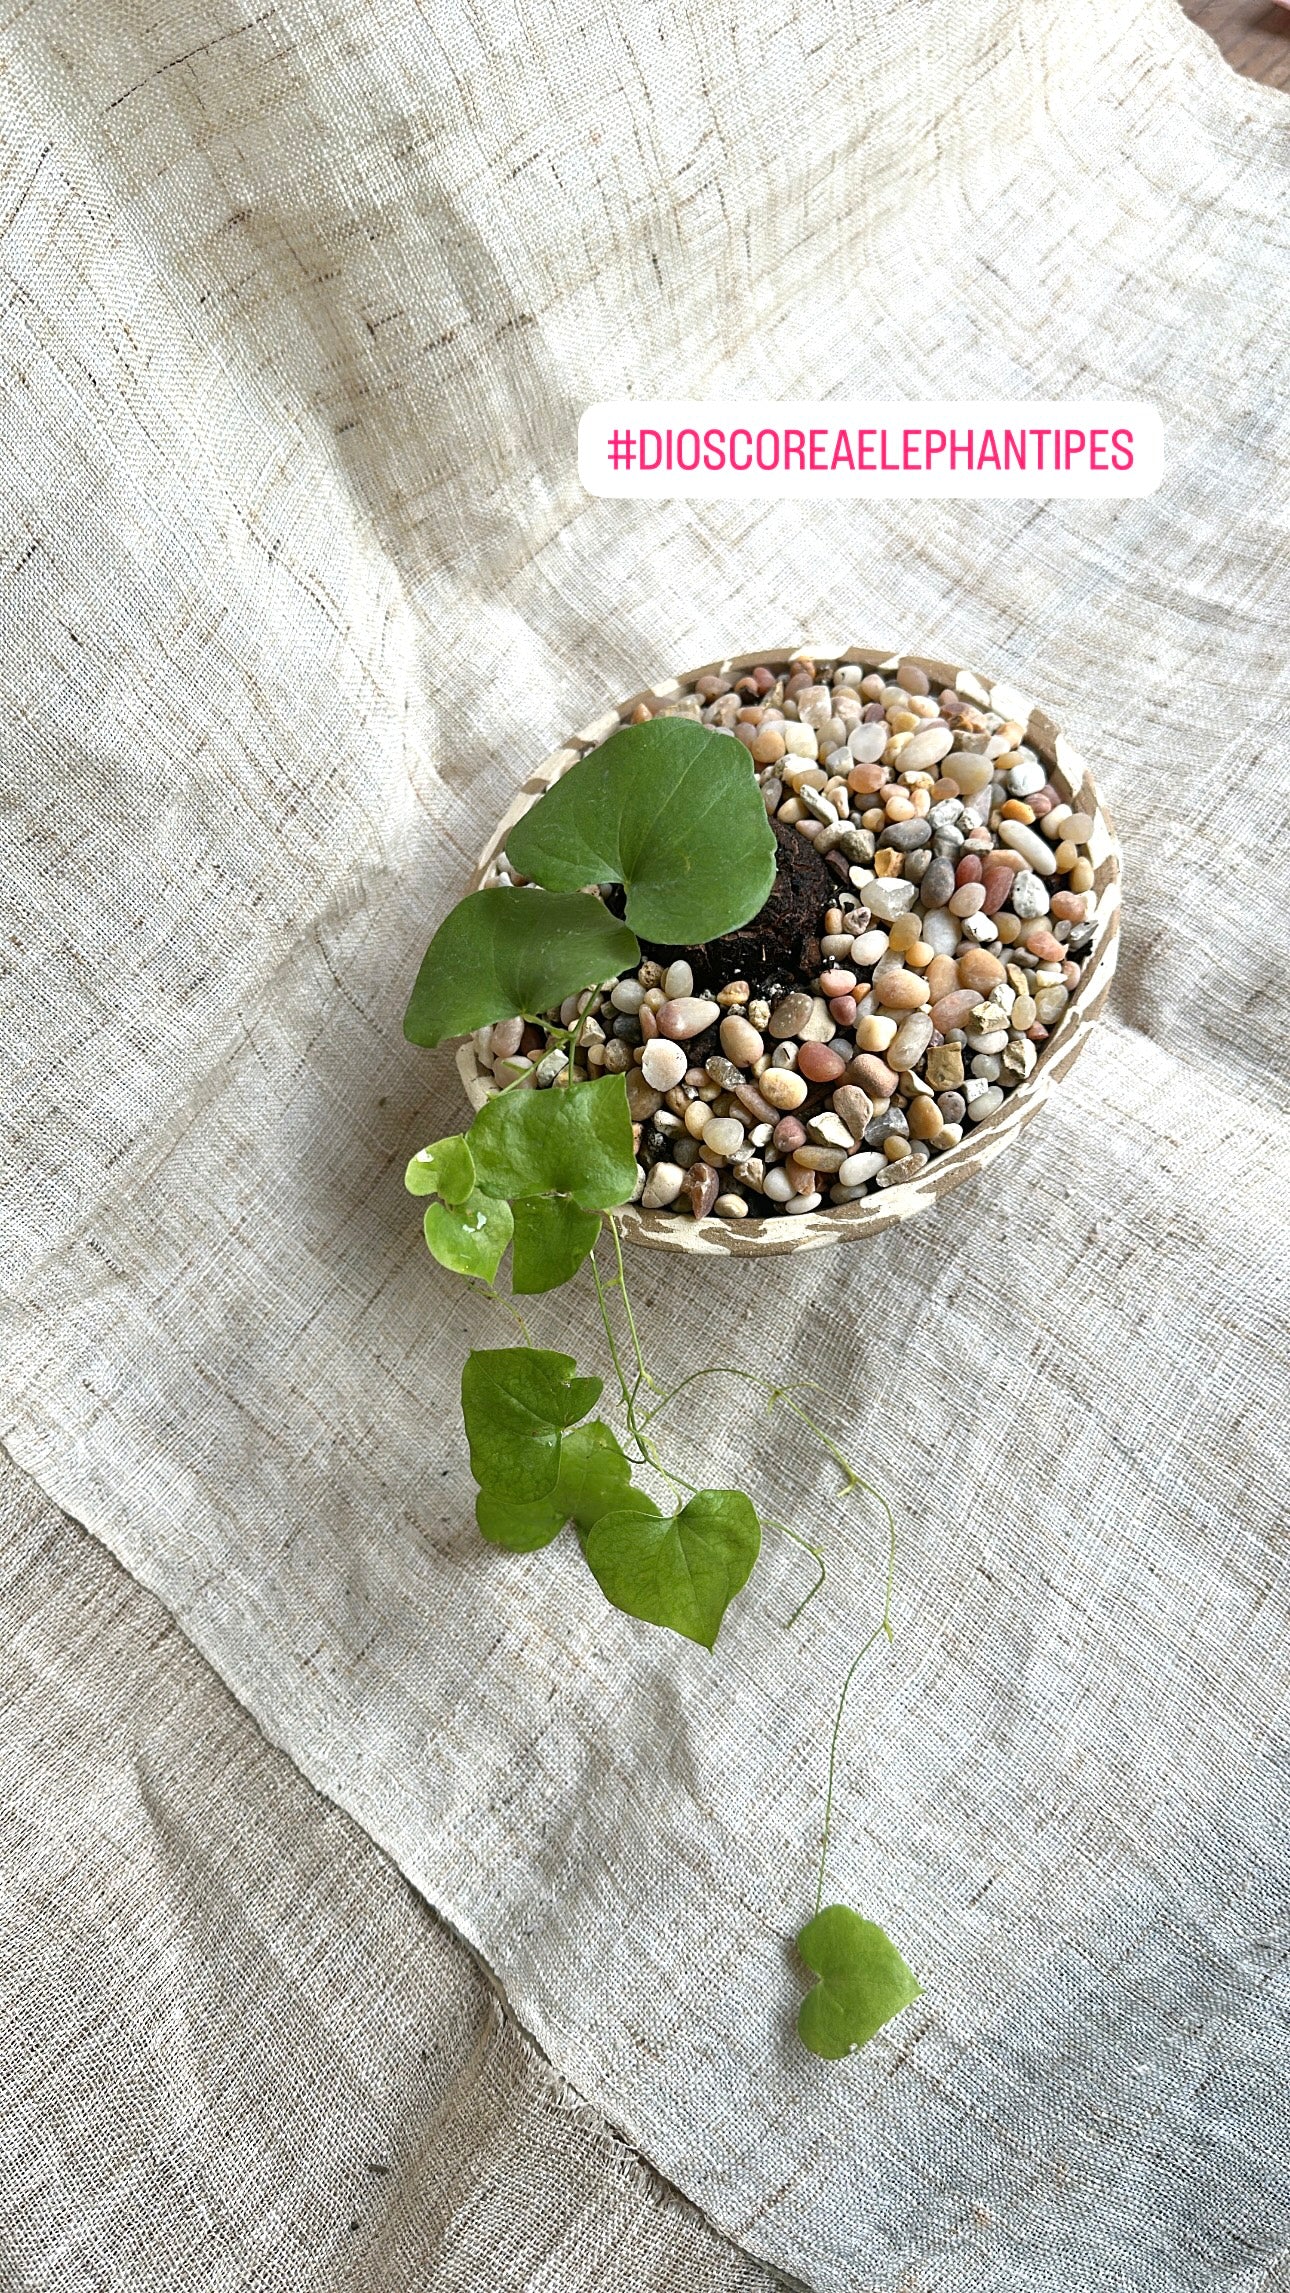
(542, 1171)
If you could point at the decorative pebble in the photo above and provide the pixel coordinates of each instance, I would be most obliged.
(642, 1099)
(819, 1025)
(901, 990)
(702, 1186)
(874, 1076)
(911, 1040)
(1019, 838)
(678, 980)
(855, 1107)
(686, 1016)
(860, 1167)
(819, 1063)
(663, 1064)
(783, 1088)
(790, 1014)
(662, 1185)
(890, 896)
(740, 1041)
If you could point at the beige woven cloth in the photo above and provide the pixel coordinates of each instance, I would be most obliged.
(239, 2052)
(298, 582)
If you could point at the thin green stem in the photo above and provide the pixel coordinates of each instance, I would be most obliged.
(609, 1333)
(643, 1376)
(508, 1306)
(782, 1395)
(882, 1630)
(575, 1040)
(816, 1555)
(646, 1451)
(875, 1635)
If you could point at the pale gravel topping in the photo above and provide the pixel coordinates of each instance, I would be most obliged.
(965, 904)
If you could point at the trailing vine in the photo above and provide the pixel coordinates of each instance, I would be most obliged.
(541, 1172)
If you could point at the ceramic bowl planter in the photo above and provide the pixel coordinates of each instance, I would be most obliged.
(1067, 773)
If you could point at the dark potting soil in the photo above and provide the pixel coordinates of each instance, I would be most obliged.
(780, 948)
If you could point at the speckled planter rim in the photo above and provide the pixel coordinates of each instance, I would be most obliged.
(849, 1222)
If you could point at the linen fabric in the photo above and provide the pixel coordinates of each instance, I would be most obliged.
(239, 2051)
(299, 583)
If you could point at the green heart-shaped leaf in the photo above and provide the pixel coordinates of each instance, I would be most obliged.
(469, 1237)
(682, 1572)
(446, 1168)
(669, 809)
(593, 1475)
(863, 1982)
(552, 1237)
(504, 952)
(575, 1141)
(516, 1401)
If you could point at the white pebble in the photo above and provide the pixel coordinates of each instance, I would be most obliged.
(678, 979)
(663, 1064)
(723, 1135)
(662, 1186)
(940, 931)
(627, 995)
(870, 946)
(890, 896)
(777, 1184)
(797, 1203)
(867, 743)
(821, 1026)
(799, 740)
(926, 749)
(730, 1206)
(859, 1168)
(1019, 838)
(830, 1131)
(1027, 777)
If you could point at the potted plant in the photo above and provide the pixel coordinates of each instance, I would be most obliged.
(764, 959)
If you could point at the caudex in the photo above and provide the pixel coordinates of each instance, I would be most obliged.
(670, 811)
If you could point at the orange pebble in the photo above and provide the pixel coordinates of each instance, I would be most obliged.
(977, 969)
(899, 991)
(867, 779)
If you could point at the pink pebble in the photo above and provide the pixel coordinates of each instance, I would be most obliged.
(647, 1023)
(998, 883)
(789, 1133)
(843, 1008)
(836, 982)
(969, 870)
(686, 1015)
(968, 900)
(819, 1063)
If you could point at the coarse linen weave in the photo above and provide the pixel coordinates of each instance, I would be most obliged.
(298, 582)
(239, 2052)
